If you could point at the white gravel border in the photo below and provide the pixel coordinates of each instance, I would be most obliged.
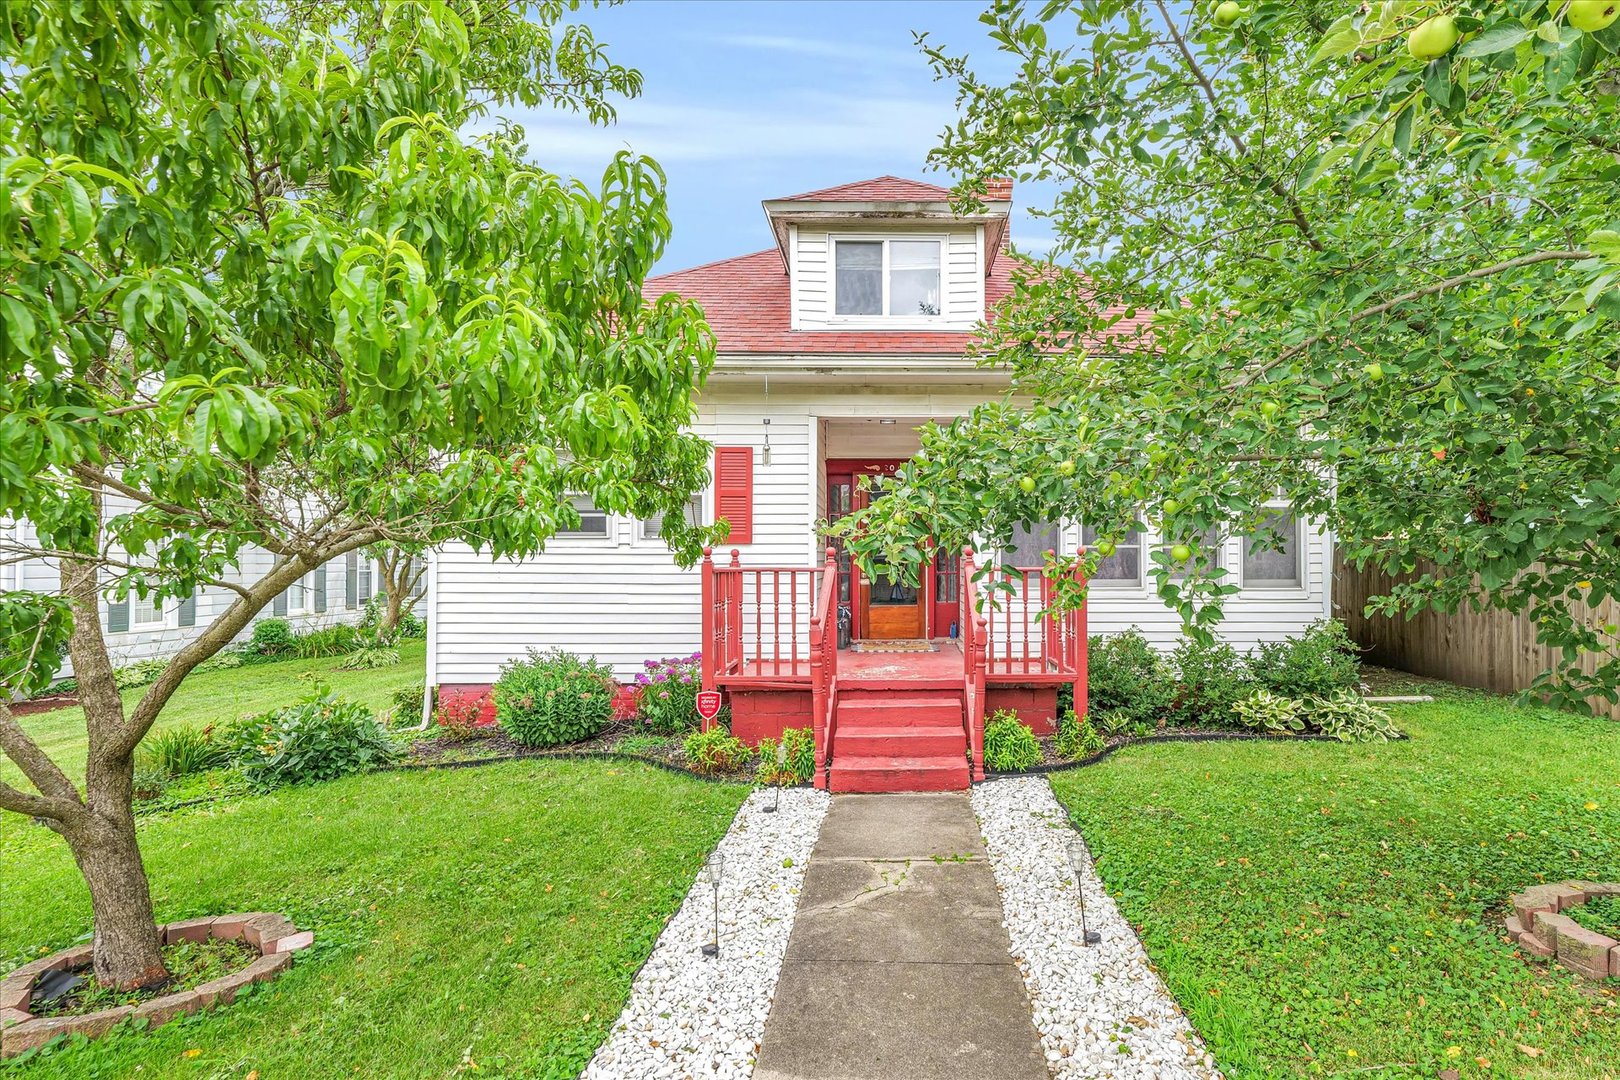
(1101, 1010)
(690, 1016)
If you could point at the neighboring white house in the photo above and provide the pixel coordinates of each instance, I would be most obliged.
(141, 630)
(834, 344)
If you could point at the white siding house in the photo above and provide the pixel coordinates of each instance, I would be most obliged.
(834, 345)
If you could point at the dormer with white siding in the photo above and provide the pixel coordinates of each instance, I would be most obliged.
(886, 255)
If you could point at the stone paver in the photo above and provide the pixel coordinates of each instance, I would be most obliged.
(898, 967)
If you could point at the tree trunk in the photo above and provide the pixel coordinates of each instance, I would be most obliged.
(392, 611)
(127, 950)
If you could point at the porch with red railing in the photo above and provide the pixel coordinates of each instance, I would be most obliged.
(910, 720)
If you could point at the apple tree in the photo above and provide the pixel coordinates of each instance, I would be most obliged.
(1363, 255)
(259, 289)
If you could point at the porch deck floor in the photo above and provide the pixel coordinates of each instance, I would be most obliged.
(944, 663)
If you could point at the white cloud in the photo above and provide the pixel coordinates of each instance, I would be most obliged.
(895, 131)
(848, 51)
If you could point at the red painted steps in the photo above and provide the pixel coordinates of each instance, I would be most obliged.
(894, 739)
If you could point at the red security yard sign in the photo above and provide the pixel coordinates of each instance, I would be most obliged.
(708, 704)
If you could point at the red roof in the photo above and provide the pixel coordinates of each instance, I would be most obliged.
(746, 301)
(877, 189)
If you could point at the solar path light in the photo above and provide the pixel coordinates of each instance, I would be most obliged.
(1077, 862)
(714, 868)
(776, 789)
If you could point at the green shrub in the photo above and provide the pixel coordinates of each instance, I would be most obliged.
(327, 641)
(223, 660)
(182, 751)
(369, 657)
(1320, 662)
(800, 766)
(1009, 746)
(320, 738)
(1348, 718)
(1343, 715)
(140, 673)
(553, 698)
(1210, 680)
(411, 625)
(715, 751)
(405, 705)
(1271, 713)
(1130, 686)
(149, 781)
(667, 690)
(1077, 738)
(271, 637)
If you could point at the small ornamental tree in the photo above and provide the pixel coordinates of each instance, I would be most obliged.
(1364, 256)
(402, 571)
(258, 289)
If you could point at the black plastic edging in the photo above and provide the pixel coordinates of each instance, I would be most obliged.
(573, 755)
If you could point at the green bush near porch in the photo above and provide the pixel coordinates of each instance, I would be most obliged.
(1331, 909)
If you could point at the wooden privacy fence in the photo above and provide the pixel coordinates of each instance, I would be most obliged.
(1493, 650)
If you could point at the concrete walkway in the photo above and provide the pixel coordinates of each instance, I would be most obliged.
(898, 967)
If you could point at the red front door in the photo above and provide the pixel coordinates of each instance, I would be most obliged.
(884, 607)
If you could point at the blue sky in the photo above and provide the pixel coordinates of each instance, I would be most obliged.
(746, 101)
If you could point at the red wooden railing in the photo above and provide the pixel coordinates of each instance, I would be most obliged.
(824, 669)
(756, 621)
(973, 629)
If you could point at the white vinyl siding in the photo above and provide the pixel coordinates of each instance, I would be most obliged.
(813, 288)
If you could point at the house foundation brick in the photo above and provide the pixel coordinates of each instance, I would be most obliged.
(1585, 952)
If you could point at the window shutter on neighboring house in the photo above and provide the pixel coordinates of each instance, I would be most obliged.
(278, 606)
(351, 580)
(734, 491)
(118, 616)
(320, 588)
(188, 610)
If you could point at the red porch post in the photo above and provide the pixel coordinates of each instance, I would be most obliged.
(706, 635)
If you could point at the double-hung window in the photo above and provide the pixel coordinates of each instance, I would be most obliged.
(897, 277)
(148, 611)
(1123, 568)
(592, 521)
(1273, 556)
(653, 528)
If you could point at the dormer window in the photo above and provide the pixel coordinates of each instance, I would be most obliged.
(888, 276)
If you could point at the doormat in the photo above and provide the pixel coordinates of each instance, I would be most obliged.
(897, 645)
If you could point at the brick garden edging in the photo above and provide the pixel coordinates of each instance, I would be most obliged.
(273, 935)
(1539, 927)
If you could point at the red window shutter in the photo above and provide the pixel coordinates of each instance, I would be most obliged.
(734, 491)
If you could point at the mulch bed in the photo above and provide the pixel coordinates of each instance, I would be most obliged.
(43, 704)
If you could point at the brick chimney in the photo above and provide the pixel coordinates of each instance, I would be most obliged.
(998, 189)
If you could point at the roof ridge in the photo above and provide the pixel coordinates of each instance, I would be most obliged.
(857, 183)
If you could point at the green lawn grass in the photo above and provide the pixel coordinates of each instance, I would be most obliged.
(213, 696)
(1335, 910)
(489, 916)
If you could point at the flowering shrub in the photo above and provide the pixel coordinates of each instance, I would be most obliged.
(553, 698)
(465, 716)
(669, 690)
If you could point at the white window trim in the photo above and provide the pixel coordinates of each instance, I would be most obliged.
(701, 498)
(1302, 560)
(303, 591)
(140, 613)
(1143, 585)
(886, 321)
(607, 538)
